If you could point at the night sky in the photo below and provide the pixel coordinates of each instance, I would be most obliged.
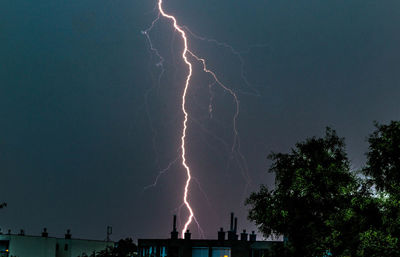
(85, 124)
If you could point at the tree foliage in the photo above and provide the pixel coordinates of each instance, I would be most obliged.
(324, 208)
(383, 172)
(123, 248)
(383, 164)
(312, 185)
(377, 244)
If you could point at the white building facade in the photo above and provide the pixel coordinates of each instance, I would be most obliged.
(43, 246)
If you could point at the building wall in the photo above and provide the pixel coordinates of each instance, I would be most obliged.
(202, 248)
(30, 246)
(36, 246)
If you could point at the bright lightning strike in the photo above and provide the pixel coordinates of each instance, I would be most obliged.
(186, 53)
(183, 142)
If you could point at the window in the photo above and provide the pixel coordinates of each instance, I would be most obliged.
(173, 251)
(152, 251)
(66, 247)
(200, 252)
(221, 252)
(163, 251)
(4, 244)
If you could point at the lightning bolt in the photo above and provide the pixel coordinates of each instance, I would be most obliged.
(187, 55)
(235, 52)
(183, 105)
(160, 173)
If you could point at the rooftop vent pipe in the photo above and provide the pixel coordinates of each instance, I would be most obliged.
(221, 234)
(68, 234)
(188, 235)
(174, 233)
(243, 235)
(232, 232)
(44, 233)
(253, 237)
(231, 228)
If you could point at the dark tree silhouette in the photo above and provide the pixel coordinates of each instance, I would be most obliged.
(123, 248)
(313, 183)
(383, 171)
(383, 164)
(321, 206)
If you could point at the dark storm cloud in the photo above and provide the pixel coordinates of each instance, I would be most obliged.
(76, 145)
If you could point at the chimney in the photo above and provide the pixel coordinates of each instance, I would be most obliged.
(187, 235)
(231, 229)
(21, 232)
(44, 233)
(235, 228)
(232, 233)
(221, 234)
(174, 233)
(68, 235)
(243, 235)
(253, 237)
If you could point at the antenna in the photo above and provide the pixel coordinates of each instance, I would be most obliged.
(109, 233)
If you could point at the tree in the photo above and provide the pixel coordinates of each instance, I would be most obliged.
(3, 205)
(318, 203)
(313, 184)
(356, 219)
(383, 172)
(378, 244)
(123, 248)
(323, 208)
(383, 158)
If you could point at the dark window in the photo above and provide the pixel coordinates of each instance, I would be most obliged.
(57, 247)
(4, 245)
(173, 251)
(66, 247)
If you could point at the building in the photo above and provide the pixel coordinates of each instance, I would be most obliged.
(21, 245)
(231, 246)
